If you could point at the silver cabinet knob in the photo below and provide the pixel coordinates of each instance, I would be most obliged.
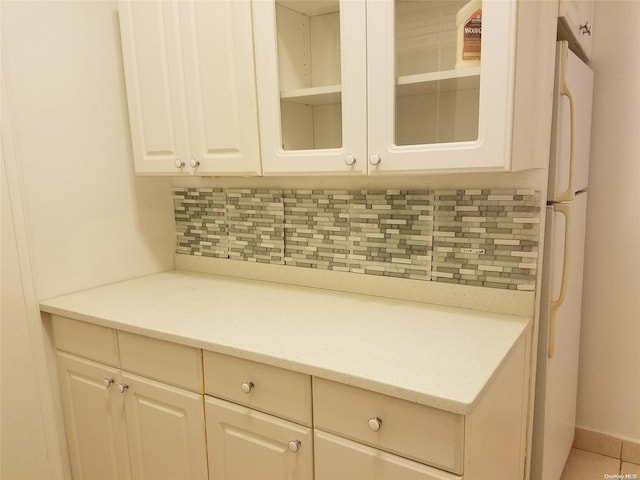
(194, 163)
(247, 386)
(375, 424)
(123, 387)
(107, 382)
(179, 163)
(375, 159)
(294, 445)
(350, 160)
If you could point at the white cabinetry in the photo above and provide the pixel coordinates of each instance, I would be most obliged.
(134, 408)
(375, 87)
(278, 448)
(123, 425)
(246, 444)
(370, 435)
(337, 457)
(191, 86)
(575, 24)
(421, 433)
(166, 430)
(94, 419)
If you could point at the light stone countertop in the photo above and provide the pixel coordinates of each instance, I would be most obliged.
(442, 357)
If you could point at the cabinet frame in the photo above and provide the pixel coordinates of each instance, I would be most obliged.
(491, 151)
(121, 425)
(190, 90)
(516, 83)
(276, 160)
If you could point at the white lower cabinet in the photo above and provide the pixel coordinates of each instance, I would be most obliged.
(337, 457)
(94, 419)
(258, 421)
(424, 434)
(166, 430)
(121, 425)
(248, 445)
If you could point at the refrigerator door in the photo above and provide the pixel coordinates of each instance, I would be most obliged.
(571, 126)
(559, 339)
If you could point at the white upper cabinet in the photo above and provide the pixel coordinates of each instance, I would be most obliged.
(575, 24)
(312, 85)
(387, 87)
(191, 86)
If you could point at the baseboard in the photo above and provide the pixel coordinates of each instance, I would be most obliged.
(604, 444)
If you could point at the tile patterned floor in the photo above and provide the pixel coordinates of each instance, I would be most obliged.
(583, 465)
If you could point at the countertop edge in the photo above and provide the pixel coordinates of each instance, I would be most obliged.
(447, 404)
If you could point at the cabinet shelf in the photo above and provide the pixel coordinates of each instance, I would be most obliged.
(418, 84)
(444, 81)
(324, 95)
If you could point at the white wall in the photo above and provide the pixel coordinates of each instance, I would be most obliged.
(609, 386)
(23, 443)
(88, 221)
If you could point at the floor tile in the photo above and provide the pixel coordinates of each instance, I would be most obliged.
(630, 470)
(631, 452)
(597, 443)
(583, 465)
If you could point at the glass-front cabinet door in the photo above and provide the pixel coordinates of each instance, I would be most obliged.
(401, 86)
(439, 84)
(311, 69)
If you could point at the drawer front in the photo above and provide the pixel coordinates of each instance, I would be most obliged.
(269, 389)
(337, 457)
(245, 444)
(415, 431)
(160, 360)
(86, 340)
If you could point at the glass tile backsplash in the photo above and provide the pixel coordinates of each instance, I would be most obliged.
(485, 237)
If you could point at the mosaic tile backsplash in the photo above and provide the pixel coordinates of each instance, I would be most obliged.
(485, 238)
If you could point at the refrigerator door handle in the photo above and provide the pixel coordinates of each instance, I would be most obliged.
(555, 304)
(568, 194)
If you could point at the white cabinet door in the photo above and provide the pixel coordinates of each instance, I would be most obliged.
(426, 112)
(94, 419)
(166, 430)
(337, 457)
(155, 85)
(311, 71)
(191, 86)
(383, 87)
(217, 42)
(247, 445)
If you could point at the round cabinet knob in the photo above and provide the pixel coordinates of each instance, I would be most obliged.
(375, 159)
(108, 382)
(350, 160)
(179, 163)
(123, 387)
(247, 386)
(194, 163)
(294, 445)
(375, 424)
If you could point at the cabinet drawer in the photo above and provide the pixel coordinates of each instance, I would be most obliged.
(167, 362)
(415, 431)
(337, 457)
(269, 389)
(86, 340)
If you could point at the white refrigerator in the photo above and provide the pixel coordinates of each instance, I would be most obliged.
(561, 295)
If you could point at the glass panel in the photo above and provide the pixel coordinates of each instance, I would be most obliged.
(310, 75)
(437, 54)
